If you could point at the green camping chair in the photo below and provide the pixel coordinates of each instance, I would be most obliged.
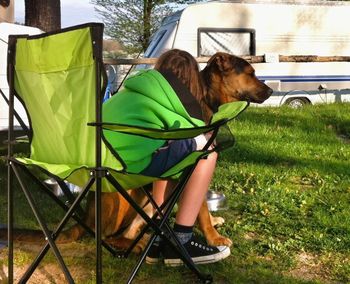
(60, 79)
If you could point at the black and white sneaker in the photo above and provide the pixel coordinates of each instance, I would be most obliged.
(199, 252)
(154, 254)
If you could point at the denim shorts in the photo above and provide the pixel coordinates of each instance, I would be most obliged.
(168, 156)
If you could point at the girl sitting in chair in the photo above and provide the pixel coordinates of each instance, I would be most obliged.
(167, 97)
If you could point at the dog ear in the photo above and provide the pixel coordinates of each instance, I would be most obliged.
(222, 62)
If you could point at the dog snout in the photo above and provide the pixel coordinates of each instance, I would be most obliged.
(264, 93)
(269, 91)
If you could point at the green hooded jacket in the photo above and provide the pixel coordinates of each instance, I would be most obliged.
(147, 100)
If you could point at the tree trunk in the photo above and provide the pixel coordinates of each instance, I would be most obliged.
(147, 11)
(43, 14)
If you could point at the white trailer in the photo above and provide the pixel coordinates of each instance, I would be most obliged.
(270, 28)
(5, 30)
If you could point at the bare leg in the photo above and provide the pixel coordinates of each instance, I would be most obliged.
(195, 191)
(189, 206)
(161, 190)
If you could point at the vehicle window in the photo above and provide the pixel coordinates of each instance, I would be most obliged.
(235, 41)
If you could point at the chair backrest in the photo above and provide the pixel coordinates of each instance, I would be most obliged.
(56, 77)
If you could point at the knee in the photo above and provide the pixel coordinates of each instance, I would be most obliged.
(213, 156)
(211, 159)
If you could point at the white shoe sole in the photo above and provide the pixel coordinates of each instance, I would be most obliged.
(150, 260)
(201, 259)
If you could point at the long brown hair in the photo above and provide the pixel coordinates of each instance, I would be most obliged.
(185, 67)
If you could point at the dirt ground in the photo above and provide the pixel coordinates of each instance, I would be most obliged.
(49, 272)
(307, 267)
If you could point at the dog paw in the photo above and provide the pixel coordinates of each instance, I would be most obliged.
(140, 246)
(64, 238)
(217, 221)
(220, 241)
(138, 249)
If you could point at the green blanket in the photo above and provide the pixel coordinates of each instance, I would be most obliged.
(147, 100)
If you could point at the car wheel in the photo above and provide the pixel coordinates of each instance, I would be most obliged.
(297, 102)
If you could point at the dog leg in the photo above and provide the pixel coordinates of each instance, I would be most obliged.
(124, 243)
(72, 234)
(211, 234)
(131, 232)
(137, 223)
(111, 217)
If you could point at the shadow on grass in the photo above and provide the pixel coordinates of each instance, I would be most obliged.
(284, 137)
(242, 153)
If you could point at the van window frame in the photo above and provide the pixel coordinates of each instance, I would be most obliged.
(251, 32)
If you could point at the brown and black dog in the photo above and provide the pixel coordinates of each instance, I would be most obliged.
(226, 78)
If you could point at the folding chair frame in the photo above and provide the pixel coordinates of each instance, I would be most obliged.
(19, 119)
(97, 174)
(168, 233)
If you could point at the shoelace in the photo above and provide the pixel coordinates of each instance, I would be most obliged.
(204, 247)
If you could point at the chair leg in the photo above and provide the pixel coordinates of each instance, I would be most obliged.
(69, 196)
(158, 209)
(146, 227)
(98, 230)
(66, 208)
(158, 228)
(63, 222)
(44, 229)
(10, 221)
(141, 259)
(51, 237)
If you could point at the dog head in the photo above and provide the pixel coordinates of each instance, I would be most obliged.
(228, 78)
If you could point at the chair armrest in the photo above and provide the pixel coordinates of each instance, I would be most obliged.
(171, 134)
(225, 113)
(229, 111)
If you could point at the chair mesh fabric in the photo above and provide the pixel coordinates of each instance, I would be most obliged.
(55, 78)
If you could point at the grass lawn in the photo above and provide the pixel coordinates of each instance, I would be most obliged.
(287, 183)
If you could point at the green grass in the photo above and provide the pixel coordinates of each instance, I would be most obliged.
(287, 183)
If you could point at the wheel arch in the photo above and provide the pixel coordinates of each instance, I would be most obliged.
(296, 94)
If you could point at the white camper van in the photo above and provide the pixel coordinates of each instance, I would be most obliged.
(7, 29)
(270, 28)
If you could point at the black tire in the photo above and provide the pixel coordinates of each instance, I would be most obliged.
(297, 102)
